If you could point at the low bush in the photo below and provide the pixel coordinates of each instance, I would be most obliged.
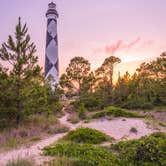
(135, 103)
(117, 112)
(82, 111)
(62, 161)
(57, 107)
(81, 155)
(91, 102)
(147, 151)
(87, 135)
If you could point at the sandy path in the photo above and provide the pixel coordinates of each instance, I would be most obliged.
(33, 151)
(117, 128)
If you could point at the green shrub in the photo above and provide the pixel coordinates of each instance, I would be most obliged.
(63, 161)
(90, 101)
(82, 111)
(87, 135)
(57, 107)
(147, 151)
(116, 112)
(83, 155)
(159, 135)
(162, 124)
(137, 103)
(20, 162)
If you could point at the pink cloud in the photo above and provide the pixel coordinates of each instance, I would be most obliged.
(121, 45)
(133, 43)
(112, 49)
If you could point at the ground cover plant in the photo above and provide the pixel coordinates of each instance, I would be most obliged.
(117, 112)
(82, 154)
(146, 151)
(87, 135)
(149, 150)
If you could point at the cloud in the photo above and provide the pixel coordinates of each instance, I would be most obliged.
(112, 49)
(122, 46)
(133, 43)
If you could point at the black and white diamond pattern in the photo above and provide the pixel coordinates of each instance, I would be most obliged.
(51, 61)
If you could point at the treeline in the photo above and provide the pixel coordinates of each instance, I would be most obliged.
(146, 88)
(23, 89)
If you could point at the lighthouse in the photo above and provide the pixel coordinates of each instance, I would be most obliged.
(51, 53)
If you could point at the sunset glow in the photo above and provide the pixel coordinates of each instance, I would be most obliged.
(131, 30)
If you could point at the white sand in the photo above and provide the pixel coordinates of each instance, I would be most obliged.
(120, 129)
(117, 128)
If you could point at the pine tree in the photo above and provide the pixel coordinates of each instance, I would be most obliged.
(19, 53)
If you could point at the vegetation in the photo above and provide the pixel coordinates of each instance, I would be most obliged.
(56, 130)
(145, 151)
(116, 112)
(87, 135)
(29, 106)
(144, 89)
(76, 73)
(80, 155)
(149, 150)
(20, 162)
(23, 89)
(34, 128)
(24, 78)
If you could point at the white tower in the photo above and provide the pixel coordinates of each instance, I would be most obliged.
(51, 57)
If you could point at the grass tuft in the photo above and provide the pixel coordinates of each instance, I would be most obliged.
(20, 162)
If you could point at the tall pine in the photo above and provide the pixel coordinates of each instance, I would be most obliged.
(26, 85)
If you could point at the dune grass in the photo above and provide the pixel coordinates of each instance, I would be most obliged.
(21, 162)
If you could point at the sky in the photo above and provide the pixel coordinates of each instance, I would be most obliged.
(133, 30)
